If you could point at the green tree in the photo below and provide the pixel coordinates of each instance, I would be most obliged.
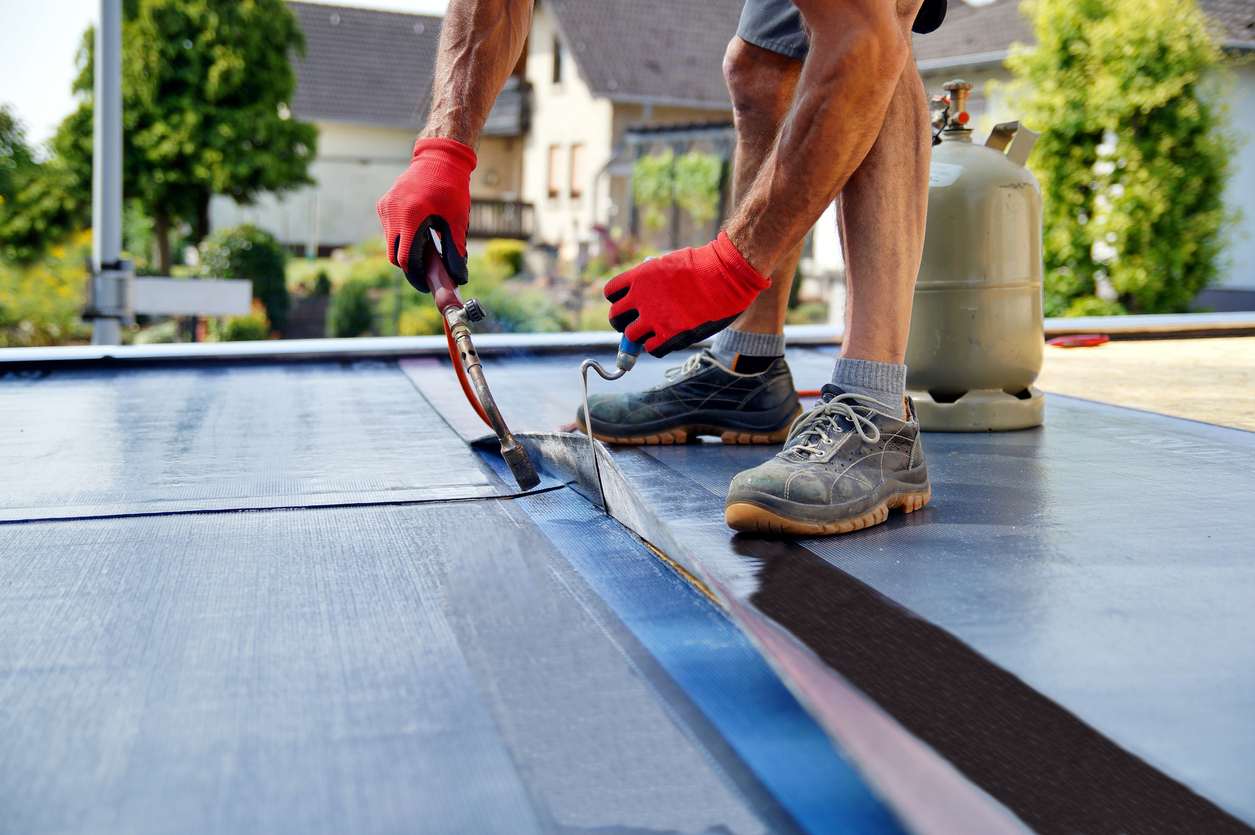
(39, 201)
(653, 187)
(351, 313)
(206, 87)
(1133, 155)
(248, 252)
(17, 160)
(697, 179)
(690, 180)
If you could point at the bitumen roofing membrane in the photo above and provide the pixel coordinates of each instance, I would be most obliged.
(289, 596)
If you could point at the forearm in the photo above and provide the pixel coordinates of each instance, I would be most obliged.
(839, 105)
(479, 45)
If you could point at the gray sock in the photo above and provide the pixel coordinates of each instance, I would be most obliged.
(884, 382)
(757, 349)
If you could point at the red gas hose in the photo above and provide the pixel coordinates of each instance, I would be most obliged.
(461, 372)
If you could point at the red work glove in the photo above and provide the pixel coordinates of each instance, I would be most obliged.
(433, 193)
(683, 297)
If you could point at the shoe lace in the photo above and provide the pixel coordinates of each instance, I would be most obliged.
(815, 430)
(686, 368)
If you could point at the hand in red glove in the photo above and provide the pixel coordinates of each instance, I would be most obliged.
(683, 297)
(433, 193)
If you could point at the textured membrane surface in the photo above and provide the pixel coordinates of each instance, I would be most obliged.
(154, 440)
(192, 640)
(1104, 564)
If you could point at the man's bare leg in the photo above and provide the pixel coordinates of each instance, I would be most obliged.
(857, 53)
(883, 209)
(761, 84)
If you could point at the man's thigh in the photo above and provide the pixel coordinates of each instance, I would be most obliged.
(774, 25)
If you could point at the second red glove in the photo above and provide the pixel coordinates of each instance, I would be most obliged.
(433, 193)
(683, 297)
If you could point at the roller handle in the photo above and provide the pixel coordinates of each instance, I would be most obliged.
(628, 353)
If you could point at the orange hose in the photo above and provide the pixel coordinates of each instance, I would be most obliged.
(461, 372)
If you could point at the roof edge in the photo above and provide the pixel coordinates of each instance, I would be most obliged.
(974, 59)
(664, 101)
(338, 7)
(985, 59)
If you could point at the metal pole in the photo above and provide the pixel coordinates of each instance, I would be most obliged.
(107, 157)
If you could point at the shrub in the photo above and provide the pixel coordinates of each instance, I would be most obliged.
(248, 252)
(808, 313)
(522, 311)
(1094, 306)
(350, 313)
(506, 253)
(1133, 154)
(41, 303)
(250, 328)
(376, 271)
(158, 334)
(322, 284)
(421, 320)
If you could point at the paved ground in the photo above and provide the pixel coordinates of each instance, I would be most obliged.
(1211, 380)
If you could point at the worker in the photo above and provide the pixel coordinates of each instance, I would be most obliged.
(827, 105)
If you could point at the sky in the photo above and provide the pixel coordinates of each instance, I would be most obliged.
(38, 41)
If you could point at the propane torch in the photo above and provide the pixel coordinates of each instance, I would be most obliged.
(629, 351)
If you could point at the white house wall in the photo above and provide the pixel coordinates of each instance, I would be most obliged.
(1240, 196)
(563, 114)
(354, 166)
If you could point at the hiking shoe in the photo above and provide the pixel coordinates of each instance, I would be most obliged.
(845, 465)
(700, 397)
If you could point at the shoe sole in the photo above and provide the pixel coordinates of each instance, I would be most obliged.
(690, 434)
(750, 518)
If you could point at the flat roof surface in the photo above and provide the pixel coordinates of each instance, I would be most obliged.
(1107, 560)
(289, 598)
(281, 596)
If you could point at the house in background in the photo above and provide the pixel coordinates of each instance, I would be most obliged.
(556, 156)
(549, 168)
(364, 81)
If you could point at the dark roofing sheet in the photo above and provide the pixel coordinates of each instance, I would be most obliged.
(334, 670)
(1105, 561)
(452, 663)
(196, 438)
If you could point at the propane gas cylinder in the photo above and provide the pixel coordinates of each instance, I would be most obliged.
(976, 330)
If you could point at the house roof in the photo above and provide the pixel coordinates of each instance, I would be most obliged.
(364, 66)
(376, 67)
(673, 55)
(979, 34)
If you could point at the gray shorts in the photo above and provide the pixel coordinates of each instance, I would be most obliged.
(776, 26)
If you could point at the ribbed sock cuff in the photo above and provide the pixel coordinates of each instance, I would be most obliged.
(884, 382)
(730, 344)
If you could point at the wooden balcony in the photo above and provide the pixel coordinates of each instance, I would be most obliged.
(512, 111)
(501, 219)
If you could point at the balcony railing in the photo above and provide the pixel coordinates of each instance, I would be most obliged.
(501, 219)
(511, 112)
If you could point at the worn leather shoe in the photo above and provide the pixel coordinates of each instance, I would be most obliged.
(845, 465)
(700, 397)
